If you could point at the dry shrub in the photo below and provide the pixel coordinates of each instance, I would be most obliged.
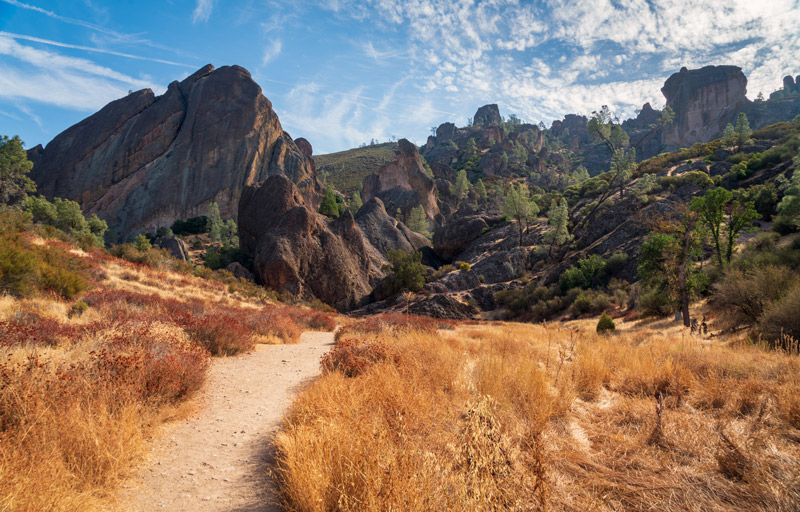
(221, 334)
(312, 319)
(395, 323)
(484, 419)
(352, 357)
(274, 324)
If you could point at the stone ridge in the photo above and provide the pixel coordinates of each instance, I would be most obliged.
(143, 161)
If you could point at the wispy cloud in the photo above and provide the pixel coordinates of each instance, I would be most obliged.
(91, 49)
(272, 50)
(202, 10)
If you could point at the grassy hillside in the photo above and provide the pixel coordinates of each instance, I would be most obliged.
(95, 351)
(533, 417)
(347, 169)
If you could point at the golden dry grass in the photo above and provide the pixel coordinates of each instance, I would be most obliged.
(526, 417)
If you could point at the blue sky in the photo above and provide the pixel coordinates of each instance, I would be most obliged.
(342, 72)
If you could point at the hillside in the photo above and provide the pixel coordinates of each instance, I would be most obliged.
(97, 351)
(346, 170)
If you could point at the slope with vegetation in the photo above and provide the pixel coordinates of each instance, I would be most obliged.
(522, 417)
(346, 170)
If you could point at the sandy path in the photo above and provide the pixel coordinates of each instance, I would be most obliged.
(216, 459)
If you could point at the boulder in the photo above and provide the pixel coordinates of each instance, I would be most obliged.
(442, 306)
(403, 183)
(175, 246)
(238, 270)
(144, 161)
(704, 101)
(487, 115)
(296, 249)
(454, 236)
(484, 298)
(457, 281)
(502, 266)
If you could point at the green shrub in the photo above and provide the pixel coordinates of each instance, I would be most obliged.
(141, 243)
(192, 226)
(463, 266)
(615, 263)
(406, 270)
(656, 303)
(781, 319)
(78, 309)
(441, 271)
(605, 324)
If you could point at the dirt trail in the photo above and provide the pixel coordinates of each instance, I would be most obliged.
(216, 459)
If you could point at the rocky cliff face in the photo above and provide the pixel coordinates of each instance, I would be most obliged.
(704, 101)
(296, 249)
(144, 160)
(403, 183)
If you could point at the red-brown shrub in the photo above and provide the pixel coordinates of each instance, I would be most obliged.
(221, 334)
(352, 356)
(396, 322)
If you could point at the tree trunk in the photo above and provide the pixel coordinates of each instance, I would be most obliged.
(687, 238)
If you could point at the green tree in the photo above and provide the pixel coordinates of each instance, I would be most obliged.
(789, 207)
(67, 216)
(480, 189)
(406, 270)
(518, 206)
(729, 135)
(356, 203)
(623, 163)
(603, 127)
(743, 130)
(558, 218)
(215, 224)
(418, 221)
(724, 218)
(14, 169)
(328, 206)
(141, 243)
(230, 233)
(460, 189)
(580, 174)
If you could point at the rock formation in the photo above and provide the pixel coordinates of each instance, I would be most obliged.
(487, 115)
(143, 161)
(403, 183)
(384, 232)
(296, 249)
(704, 101)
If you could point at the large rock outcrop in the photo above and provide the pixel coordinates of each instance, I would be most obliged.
(704, 101)
(403, 183)
(296, 249)
(384, 232)
(143, 161)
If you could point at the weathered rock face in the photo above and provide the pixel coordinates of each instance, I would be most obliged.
(403, 183)
(442, 306)
(296, 249)
(143, 161)
(487, 115)
(455, 236)
(704, 101)
(384, 232)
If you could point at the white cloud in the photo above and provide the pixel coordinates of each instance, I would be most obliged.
(202, 10)
(272, 50)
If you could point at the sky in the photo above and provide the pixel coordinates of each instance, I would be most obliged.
(344, 72)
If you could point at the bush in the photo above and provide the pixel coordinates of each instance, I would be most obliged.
(615, 263)
(192, 226)
(781, 318)
(656, 303)
(463, 266)
(352, 357)
(407, 270)
(746, 294)
(605, 324)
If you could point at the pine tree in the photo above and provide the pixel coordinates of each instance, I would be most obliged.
(743, 130)
(558, 217)
(480, 189)
(518, 206)
(14, 169)
(356, 203)
(460, 189)
(728, 135)
(328, 206)
(580, 174)
(418, 221)
(214, 223)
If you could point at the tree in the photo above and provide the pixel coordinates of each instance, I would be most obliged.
(14, 169)
(518, 206)
(230, 234)
(602, 127)
(724, 218)
(215, 224)
(407, 270)
(729, 135)
(644, 185)
(418, 221)
(623, 163)
(460, 189)
(710, 210)
(580, 174)
(789, 207)
(743, 130)
(67, 216)
(558, 217)
(328, 206)
(356, 203)
(666, 260)
(141, 243)
(480, 189)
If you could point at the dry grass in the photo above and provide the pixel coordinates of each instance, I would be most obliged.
(81, 389)
(523, 417)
